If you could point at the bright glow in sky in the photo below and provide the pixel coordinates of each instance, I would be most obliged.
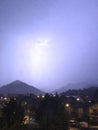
(48, 43)
(39, 53)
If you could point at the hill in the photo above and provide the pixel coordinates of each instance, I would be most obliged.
(91, 92)
(80, 85)
(19, 87)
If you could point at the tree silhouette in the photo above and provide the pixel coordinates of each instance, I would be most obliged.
(12, 114)
(51, 111)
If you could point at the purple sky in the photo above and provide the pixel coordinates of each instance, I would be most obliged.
(48, 43)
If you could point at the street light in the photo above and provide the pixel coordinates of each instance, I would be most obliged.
(67, 110)
(67, 105)
(78, 99)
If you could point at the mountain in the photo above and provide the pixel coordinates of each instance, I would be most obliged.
(80, 85)
(90, 92)
(19, 87)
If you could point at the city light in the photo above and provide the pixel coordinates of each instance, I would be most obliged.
(67, 105)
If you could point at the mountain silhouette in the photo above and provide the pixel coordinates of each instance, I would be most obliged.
(79, 85)
(19, 87)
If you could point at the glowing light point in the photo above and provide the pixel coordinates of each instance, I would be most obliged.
(67, 105)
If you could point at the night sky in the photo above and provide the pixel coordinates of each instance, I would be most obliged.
(48, 43)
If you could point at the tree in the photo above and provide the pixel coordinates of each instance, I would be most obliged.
(12, 114)
(51, 111)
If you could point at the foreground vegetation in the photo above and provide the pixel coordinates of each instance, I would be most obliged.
(49, 112)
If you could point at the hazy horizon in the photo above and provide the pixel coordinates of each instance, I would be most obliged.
(48, 44)
(84, 84)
